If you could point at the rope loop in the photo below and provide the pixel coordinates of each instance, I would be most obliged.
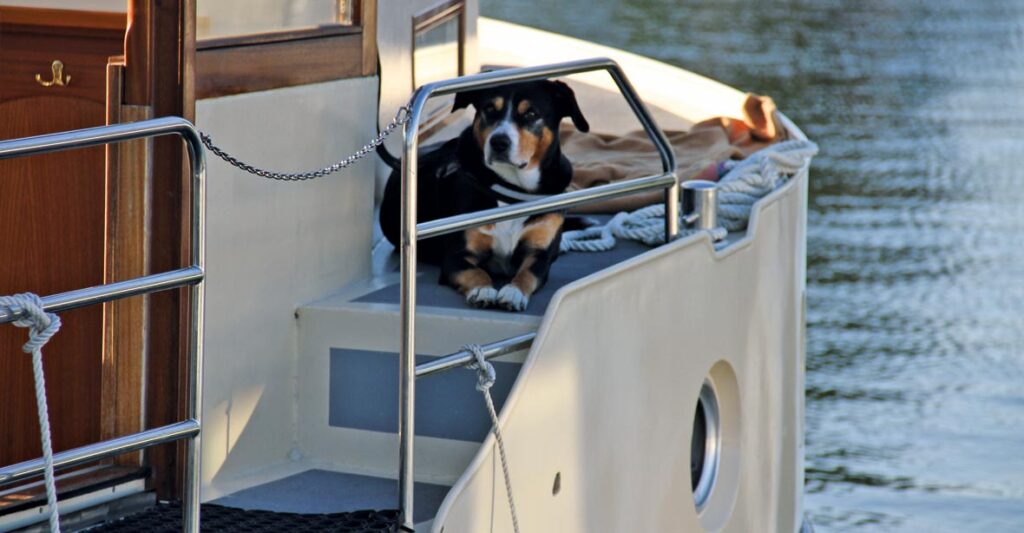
(41, 327)
(485, 379)
(484, 369)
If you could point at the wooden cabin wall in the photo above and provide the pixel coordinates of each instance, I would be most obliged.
(109, 6)
(55, 239)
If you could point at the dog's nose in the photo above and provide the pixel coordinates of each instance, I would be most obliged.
(501, 143)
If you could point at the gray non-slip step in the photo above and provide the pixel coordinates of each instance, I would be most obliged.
(567, 268)
(324, 492)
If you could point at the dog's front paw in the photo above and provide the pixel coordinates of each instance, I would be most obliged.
(512, 299)
(481, 296)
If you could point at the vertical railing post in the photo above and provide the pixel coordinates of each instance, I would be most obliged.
(409, 235)
(190, 498)
(668, 158)
(151, 283)
(407, 310)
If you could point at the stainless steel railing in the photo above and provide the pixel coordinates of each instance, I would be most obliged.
(189, 276)
(412, 232)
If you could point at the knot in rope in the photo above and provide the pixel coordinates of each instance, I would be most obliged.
(485, 376)
(42, 325)
(485, 373)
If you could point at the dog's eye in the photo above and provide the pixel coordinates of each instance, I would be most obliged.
(530, 115)
(489, 108)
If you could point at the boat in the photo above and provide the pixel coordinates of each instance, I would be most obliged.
(241, 353)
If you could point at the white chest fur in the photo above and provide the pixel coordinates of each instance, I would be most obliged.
(506, 235)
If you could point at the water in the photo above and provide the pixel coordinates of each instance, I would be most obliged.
(915, 372)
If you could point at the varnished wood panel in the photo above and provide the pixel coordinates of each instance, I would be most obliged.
(128, 177)
(68, 20)
(23, 54)
(53, 244)
(366, 11)
(159, 69)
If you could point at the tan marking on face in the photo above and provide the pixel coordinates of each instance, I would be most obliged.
(524, 280)
(473, 278)
(539, 234)
(528, 143)
(477, 241)
(523, 106)
(543, 143)
(481, 133)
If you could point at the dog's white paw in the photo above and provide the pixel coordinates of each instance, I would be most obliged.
(482, 296)
(512, 299)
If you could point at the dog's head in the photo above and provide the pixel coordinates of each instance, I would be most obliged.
(516, 127)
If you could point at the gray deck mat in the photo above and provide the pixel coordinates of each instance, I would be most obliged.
(569, 267)
(321, 491)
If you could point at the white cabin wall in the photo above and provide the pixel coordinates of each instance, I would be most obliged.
(394, 44)
(271, 246)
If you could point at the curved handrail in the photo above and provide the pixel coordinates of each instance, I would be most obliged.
(192, 275)
(412, 232)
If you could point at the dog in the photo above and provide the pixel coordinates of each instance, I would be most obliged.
(510, 153)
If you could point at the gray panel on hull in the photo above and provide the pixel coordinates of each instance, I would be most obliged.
(363, 387)
(321, 491)
(567, 268)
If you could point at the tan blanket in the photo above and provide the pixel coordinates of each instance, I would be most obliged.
(598, 159)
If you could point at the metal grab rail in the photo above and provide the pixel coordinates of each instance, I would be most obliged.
(101, 450)
(412, 232)
(189, 276)
(462, 358)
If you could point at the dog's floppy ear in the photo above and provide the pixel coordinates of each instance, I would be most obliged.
(465, 98)
(565, 104)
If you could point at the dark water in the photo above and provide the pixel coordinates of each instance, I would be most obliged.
(915, 373)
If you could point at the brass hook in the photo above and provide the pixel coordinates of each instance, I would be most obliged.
(57, 67)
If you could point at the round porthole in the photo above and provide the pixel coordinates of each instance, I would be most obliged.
(705, 445)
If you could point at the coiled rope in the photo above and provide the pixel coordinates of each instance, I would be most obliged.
(744, 183)
(42, 326)
(751, 179)
(485, 379)
(646, 225)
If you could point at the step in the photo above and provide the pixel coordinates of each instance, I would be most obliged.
(347, 385)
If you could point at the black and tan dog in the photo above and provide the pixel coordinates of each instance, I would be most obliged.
(510, 153)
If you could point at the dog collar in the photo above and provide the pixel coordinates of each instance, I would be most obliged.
(510, 195)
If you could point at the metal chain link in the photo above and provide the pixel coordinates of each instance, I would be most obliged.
(401, 117)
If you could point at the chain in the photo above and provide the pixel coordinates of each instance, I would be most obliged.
(401, 117)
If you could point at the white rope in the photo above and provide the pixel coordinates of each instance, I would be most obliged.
(42, 326)
(485, 378)
(749, 180)
(646, 225)
(744, 183)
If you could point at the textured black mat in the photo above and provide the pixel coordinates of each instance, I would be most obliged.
(166, 518)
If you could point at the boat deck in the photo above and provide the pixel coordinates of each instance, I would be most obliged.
(567, 268)
(314, 500)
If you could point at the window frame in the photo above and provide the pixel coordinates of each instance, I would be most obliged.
(433, 17)
(272, 60)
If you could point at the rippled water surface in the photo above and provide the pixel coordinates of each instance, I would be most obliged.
(915, 363)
